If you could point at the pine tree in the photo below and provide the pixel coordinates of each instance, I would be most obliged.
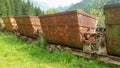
(8, 7)
(18, 7)
(28, 8)
(38, 12)
(24, 9)
(12, 7)
(2, 8)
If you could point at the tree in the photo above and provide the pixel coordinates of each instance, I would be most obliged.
(38, 11)
(18, 7)
(113, 1)
(51, 11)
(2, 8)
(8, 7)
(12, 7)
(99, 14)
(28, 8)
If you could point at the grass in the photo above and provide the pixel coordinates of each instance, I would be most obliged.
(15, 53)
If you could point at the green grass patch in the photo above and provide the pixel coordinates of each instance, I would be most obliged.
(15, 53)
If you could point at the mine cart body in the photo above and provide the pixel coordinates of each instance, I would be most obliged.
(67, 28)
(10, 23)
(28, 25)
(112, 21)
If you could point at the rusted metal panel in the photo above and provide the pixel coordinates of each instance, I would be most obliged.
(87, 23)
(21, 27)
(0, 26)
(29, 25)
(10, 23)
(112, 20)
(112, 14)
(66, 28)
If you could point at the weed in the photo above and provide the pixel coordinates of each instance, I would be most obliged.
(14, 53)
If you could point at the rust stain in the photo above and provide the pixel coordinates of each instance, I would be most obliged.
(10, 23)
(112, 20)
(67, 28)
(0, 26)
(29, 25)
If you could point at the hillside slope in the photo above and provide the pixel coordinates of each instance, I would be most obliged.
(94, 7)
(87, 5)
